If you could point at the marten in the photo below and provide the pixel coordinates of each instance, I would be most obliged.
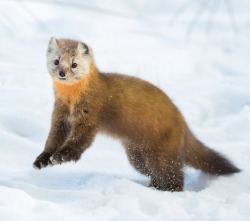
(154, 133)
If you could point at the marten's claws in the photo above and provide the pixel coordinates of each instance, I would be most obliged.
(56, 159)
(37, 165)
(41, 161)
(64, 155)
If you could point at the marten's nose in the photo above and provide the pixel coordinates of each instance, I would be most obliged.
(62, 74)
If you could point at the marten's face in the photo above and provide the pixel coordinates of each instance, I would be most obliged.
(68, 61)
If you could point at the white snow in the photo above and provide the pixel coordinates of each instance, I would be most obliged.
(203, 67)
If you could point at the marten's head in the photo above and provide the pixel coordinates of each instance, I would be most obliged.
(68, 61)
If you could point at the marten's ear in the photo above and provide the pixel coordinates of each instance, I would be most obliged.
(83, 48)
(52, 44)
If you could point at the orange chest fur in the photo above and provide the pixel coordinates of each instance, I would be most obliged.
(70, 94)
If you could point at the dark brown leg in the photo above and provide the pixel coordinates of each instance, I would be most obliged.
(169, 180)
(57, 136)
(80, 138)
(165, 171)
(137, 159)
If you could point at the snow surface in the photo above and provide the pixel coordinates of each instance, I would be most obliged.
(202, 64)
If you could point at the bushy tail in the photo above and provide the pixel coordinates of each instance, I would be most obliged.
(203, 158)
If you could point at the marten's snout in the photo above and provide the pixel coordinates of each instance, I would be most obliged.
(62, 74)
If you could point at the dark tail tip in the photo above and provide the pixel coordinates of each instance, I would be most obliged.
(209, 161)
(223, 166)
(218, 164)
(215, 164)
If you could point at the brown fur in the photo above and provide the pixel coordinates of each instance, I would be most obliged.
(158, 142)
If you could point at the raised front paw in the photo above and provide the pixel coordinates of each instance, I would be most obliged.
(64, 155)
(42, 160)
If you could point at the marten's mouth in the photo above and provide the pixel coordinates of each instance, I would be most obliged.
(62, 79)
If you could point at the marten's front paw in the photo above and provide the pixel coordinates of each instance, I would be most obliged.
(64, 155)
(42, 160)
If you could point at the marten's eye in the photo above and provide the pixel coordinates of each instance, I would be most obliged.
(56, 62)
(74, 65)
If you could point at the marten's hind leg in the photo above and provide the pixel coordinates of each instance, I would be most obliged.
(165, 170)
(167, 178)
(137, 158)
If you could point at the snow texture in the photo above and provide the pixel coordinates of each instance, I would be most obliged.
(196, 51)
